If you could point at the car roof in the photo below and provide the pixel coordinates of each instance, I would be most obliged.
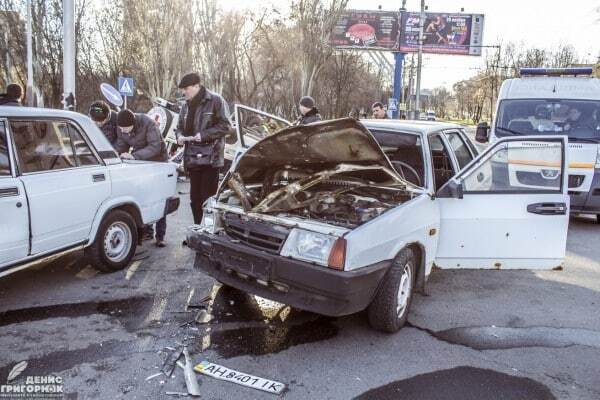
(102, 144)
(410, 126)
(551, 87)
(27, 112)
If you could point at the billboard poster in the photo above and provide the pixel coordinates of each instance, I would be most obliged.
(444, 33)
(367, 29)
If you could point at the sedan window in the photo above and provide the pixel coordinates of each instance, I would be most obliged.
(43, 145)
(461, 151)
(4, 159)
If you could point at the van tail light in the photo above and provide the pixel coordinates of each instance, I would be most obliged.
(337, 256)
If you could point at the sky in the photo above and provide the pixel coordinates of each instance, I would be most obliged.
(535, 23)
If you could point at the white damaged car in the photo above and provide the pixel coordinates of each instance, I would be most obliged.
(63, 188)
(341, 216)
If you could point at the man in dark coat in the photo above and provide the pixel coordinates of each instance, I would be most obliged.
(13, 96)
(105, 119)
(202, 127)
(308, 110)
(379, 111)
(140, 135)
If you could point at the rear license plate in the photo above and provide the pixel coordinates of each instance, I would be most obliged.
(240, 378)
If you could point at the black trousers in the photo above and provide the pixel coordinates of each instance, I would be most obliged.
(203, 184)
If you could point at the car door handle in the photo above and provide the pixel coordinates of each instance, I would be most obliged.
(98, 178)
(547, 208)
(9, 192)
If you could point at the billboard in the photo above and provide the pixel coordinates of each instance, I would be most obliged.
(443, 33)
(367, 29)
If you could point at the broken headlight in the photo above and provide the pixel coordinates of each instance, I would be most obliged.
(210, 217)
(308, 246)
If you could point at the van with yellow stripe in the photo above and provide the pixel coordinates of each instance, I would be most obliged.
(558, 101)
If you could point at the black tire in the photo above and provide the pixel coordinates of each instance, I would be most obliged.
(98, 254)
(383, 312)
(598, 218)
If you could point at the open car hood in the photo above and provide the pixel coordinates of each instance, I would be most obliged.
(329, 143)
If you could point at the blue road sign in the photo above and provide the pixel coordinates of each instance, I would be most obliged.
(392, 104)
(126, 86)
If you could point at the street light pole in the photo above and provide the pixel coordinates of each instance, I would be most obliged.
(69, 54)
(29, 57)
(420, 60)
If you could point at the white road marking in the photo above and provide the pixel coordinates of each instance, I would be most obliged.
(87, 273)
(131, 270)
(187, 303)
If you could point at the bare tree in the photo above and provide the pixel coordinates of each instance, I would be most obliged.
(315, 21)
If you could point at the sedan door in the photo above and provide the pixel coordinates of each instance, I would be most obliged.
(14, 218)
(64, 178)
(507, 209)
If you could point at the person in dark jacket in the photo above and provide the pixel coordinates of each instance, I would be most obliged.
(308, 110)
(379, 111)
(13, 96)
(105, 119)
(140, 139)
(202, 127)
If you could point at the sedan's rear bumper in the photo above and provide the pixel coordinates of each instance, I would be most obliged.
(299, 284)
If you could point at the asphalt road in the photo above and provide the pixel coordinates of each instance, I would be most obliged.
(477, 335)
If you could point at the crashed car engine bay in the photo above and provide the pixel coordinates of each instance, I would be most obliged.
(348, 189)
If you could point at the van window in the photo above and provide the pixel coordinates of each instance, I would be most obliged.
(578, 119)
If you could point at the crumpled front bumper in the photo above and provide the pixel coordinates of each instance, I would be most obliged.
(299, 284)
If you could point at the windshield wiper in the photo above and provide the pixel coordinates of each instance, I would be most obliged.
(509, 130)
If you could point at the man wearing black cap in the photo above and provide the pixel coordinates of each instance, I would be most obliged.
(140, 135)
(202, 128)
(12, 97)
(308, 110)
(105, 119)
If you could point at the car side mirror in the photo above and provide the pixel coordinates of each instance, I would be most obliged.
(451, 190)
(482, 135)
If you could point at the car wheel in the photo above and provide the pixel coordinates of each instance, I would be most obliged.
(115, 242)
(598, 218)
(389, 309)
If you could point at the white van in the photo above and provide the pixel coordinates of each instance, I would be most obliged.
(561, 101)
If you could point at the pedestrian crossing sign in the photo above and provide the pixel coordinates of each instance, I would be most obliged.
(126, 86)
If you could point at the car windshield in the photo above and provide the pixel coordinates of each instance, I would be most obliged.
(578, 119)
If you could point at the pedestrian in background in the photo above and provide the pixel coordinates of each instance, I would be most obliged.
(13, 95)
(379, 111)
(202, 127)
(139, 139)
(308, 111)
(105, 119)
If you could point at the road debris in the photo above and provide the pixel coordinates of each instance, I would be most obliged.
(203, 317)
(169, 365)
(153, 376)
(191, 381)
(240, 378)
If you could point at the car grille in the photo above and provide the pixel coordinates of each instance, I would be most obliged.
(254, 233)
(575, 180)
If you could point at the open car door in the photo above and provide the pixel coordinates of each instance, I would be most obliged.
(507, 209)
(253, 125)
